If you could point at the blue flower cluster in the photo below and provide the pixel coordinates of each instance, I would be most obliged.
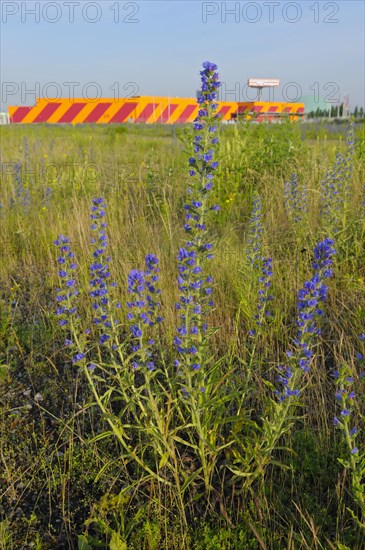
(67, 294)
(195, 287)
(195, 302)
(285, 377)
(323, 257)
(100, 273)
(310, 297)
(295, 200)
(203, 165)
(143, 312)
(254, 239)
(346, 396)
(153, 295)
(346, 379)
(209, 85)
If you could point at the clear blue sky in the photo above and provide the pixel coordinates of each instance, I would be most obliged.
(159, 46)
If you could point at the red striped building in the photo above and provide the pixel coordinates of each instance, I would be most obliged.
(144, 109)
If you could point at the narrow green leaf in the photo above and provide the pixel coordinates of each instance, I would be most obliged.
(164, 460)
(82, 543)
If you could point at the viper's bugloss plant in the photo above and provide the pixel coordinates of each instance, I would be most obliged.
(336, 187)
(108, 375)
(346, 396)
(255, 232)
(100, 278)
(67, 298)
(143, 313)
(264, 296)
(310, 299)
(195, 286)
(351, 423)
(333, 195)
(67, 291)
(195, 366)
(259, 276)
(189, 421)
(299, 358)
(295, 200)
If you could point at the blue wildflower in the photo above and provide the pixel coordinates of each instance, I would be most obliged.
(196, 287)
(295, 200)
(144, 309)
(313, 292)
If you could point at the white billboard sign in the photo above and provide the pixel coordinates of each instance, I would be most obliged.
(263, 82)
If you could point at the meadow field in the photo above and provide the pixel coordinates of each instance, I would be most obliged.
(182, 364)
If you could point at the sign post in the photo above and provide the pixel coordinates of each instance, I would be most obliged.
(261, 83)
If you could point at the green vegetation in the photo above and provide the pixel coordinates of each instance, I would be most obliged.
(65, 481)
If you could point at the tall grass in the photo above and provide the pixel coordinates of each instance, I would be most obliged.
(133, 445)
